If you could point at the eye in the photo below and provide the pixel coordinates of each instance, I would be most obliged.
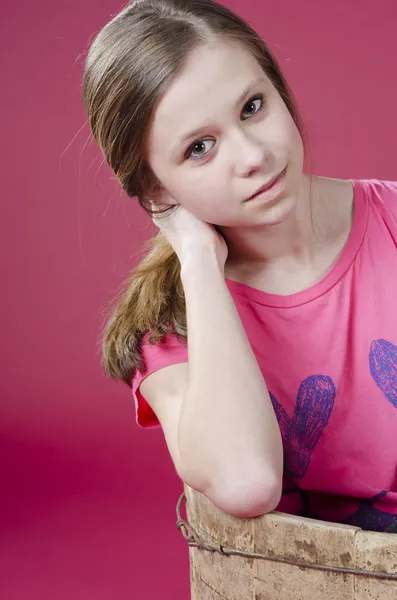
(253, 106)
(199, 149)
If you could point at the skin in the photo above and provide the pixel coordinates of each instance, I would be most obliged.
(247, 136)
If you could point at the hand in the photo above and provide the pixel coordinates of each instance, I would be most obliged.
(188, 235)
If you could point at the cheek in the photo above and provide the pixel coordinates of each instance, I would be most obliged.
(201, 184)
(284, 132)
(295, 139)
(298, 147)
(204, 192)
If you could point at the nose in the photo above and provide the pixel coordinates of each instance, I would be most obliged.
(250, 154)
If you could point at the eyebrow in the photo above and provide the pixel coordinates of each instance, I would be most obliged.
(199, 130)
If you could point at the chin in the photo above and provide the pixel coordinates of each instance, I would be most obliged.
(279, 212)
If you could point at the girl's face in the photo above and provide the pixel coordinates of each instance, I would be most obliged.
(219, 133)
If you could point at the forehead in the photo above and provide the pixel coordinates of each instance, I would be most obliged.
(213, 77)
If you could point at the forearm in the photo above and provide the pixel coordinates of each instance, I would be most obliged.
(228, 433)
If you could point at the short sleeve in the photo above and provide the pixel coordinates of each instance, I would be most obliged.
(169, 351)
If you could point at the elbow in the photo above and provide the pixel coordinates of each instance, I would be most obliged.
(248, 498)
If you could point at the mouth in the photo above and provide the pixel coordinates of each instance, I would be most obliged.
(268, 186)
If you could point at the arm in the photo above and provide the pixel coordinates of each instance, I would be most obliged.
(216, 412)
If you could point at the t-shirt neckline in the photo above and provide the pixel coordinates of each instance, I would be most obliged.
(346, 257)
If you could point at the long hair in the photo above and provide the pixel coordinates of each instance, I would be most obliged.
(129, 65)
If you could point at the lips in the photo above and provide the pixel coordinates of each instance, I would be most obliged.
(267, 185)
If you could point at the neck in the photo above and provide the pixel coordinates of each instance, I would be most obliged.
(290, 236)
(317, 220)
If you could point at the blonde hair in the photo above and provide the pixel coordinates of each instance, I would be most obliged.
(129, 65)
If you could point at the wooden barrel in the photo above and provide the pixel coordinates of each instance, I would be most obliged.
(284, 557)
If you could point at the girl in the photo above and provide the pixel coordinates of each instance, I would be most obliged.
(260, 330)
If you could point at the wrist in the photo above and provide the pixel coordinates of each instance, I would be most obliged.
(205, 261)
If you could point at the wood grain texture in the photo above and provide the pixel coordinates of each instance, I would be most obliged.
(220, 577)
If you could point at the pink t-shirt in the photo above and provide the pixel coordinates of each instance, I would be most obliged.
(328, 355)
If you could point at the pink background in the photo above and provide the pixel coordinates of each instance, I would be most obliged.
(87, 500)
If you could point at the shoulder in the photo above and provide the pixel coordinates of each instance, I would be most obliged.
(344, 188)
(343, 194)
(382, 189)
(380, 194)
(163, 375)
